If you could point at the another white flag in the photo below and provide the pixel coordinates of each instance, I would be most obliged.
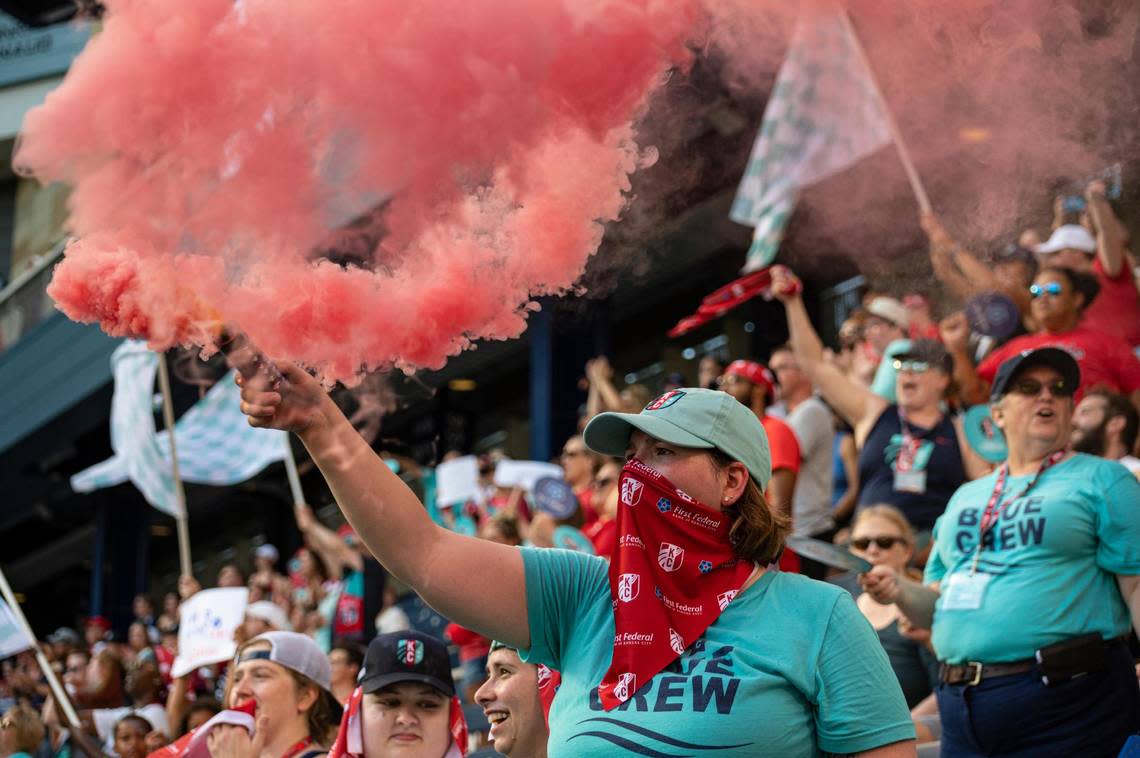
(12, 637)
(823, 115)
(215, 443)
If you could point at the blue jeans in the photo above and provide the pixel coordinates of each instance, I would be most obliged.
(1017, 716)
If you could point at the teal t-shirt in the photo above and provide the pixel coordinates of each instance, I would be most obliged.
(791, 668)
(1050, 558)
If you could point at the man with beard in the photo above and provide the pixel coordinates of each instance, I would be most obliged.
(1105, 424)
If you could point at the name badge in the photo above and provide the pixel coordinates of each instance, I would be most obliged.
(910, 481)
(964, 591)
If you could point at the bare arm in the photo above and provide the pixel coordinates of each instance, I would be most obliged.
(850, 400)
(781, 488)
(849, 455)
(1130, 591)
(448, 570)
(1109, 230)
(975, 466)
(176, 704)
(916, 601)
(333, 550)
(958, 268)
(904, 749)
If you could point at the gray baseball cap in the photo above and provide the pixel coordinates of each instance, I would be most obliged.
(690, 417)
(295, 652)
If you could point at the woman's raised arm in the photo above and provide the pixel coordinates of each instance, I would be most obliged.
(476, 583)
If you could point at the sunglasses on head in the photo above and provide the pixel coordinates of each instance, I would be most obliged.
(913, 367)
(1050, 288)
(884, 543)
(1032, 387)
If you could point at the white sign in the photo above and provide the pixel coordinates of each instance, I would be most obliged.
(206, 628)
(457, 481)
(524, 473)
(12, 637)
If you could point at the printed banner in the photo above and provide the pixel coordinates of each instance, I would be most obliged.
(206, 628)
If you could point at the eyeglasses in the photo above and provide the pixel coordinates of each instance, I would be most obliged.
(1032, 387)
(913, 367)
(1050, 288)
(884, 543)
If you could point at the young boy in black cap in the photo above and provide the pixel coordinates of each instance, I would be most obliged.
(405, 704)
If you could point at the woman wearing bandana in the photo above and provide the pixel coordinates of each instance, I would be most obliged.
(685, 643)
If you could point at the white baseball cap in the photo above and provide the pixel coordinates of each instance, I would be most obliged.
(1066, 237)
(270, 613)
(889, 309)
(266, 551)
(296, 652)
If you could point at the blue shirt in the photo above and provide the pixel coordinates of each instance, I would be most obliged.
(790, 668)
(1051, 559)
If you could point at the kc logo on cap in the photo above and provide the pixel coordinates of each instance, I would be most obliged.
(409, 652)
(664, 401)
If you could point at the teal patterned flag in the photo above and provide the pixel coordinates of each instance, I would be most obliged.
(215, 443)
(12, 637)
(823, 115)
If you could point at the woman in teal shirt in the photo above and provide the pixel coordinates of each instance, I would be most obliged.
(788, 667)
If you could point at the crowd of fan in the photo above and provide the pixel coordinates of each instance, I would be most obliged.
(868, 443)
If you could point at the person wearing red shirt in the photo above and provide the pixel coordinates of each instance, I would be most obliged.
(1058, 301)
(603, 532)
(753, 385)
(1116, 310)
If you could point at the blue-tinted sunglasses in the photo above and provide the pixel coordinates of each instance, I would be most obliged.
(1051, 288)
(913, 367)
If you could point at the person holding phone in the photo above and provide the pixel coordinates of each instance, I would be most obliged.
(1032, 585)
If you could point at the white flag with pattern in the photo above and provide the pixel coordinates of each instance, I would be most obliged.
(823, 115)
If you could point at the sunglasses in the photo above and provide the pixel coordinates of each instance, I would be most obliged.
(884, 543)
(1052, 288)
(1032, 387)
(913, 367)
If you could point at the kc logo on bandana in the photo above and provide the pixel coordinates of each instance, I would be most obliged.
(671, 556)
(626, 686)
(631, 491)
(628, 587)
(650, 629)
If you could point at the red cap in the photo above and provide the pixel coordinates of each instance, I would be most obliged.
(100, 622)
(754, 372)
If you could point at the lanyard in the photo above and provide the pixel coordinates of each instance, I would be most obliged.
(910, 444)
(993, 512)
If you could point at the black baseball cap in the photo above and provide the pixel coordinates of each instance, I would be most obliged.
(1053, 357)
(407, 656)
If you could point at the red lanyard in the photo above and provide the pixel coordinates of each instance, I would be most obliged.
(910, 444)
(993, 512)
(298, 747)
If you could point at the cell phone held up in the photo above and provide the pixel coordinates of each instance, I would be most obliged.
(1065, 661)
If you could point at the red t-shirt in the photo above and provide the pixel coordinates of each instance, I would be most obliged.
(603, 534)
(783, 444)
(1116, 310)
(1104, 359)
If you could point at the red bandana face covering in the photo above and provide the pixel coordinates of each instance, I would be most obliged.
(671, 576)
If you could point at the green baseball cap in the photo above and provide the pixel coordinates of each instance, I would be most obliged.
(690, 417)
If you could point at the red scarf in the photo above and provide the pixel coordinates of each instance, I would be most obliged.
(549, 681)
(349, 741)
(672, 574)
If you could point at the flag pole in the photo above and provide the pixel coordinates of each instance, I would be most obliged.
(179, 491)
(57, 690)
(896, 135)
(291, 472)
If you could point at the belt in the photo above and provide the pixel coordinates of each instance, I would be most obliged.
(973, 673)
